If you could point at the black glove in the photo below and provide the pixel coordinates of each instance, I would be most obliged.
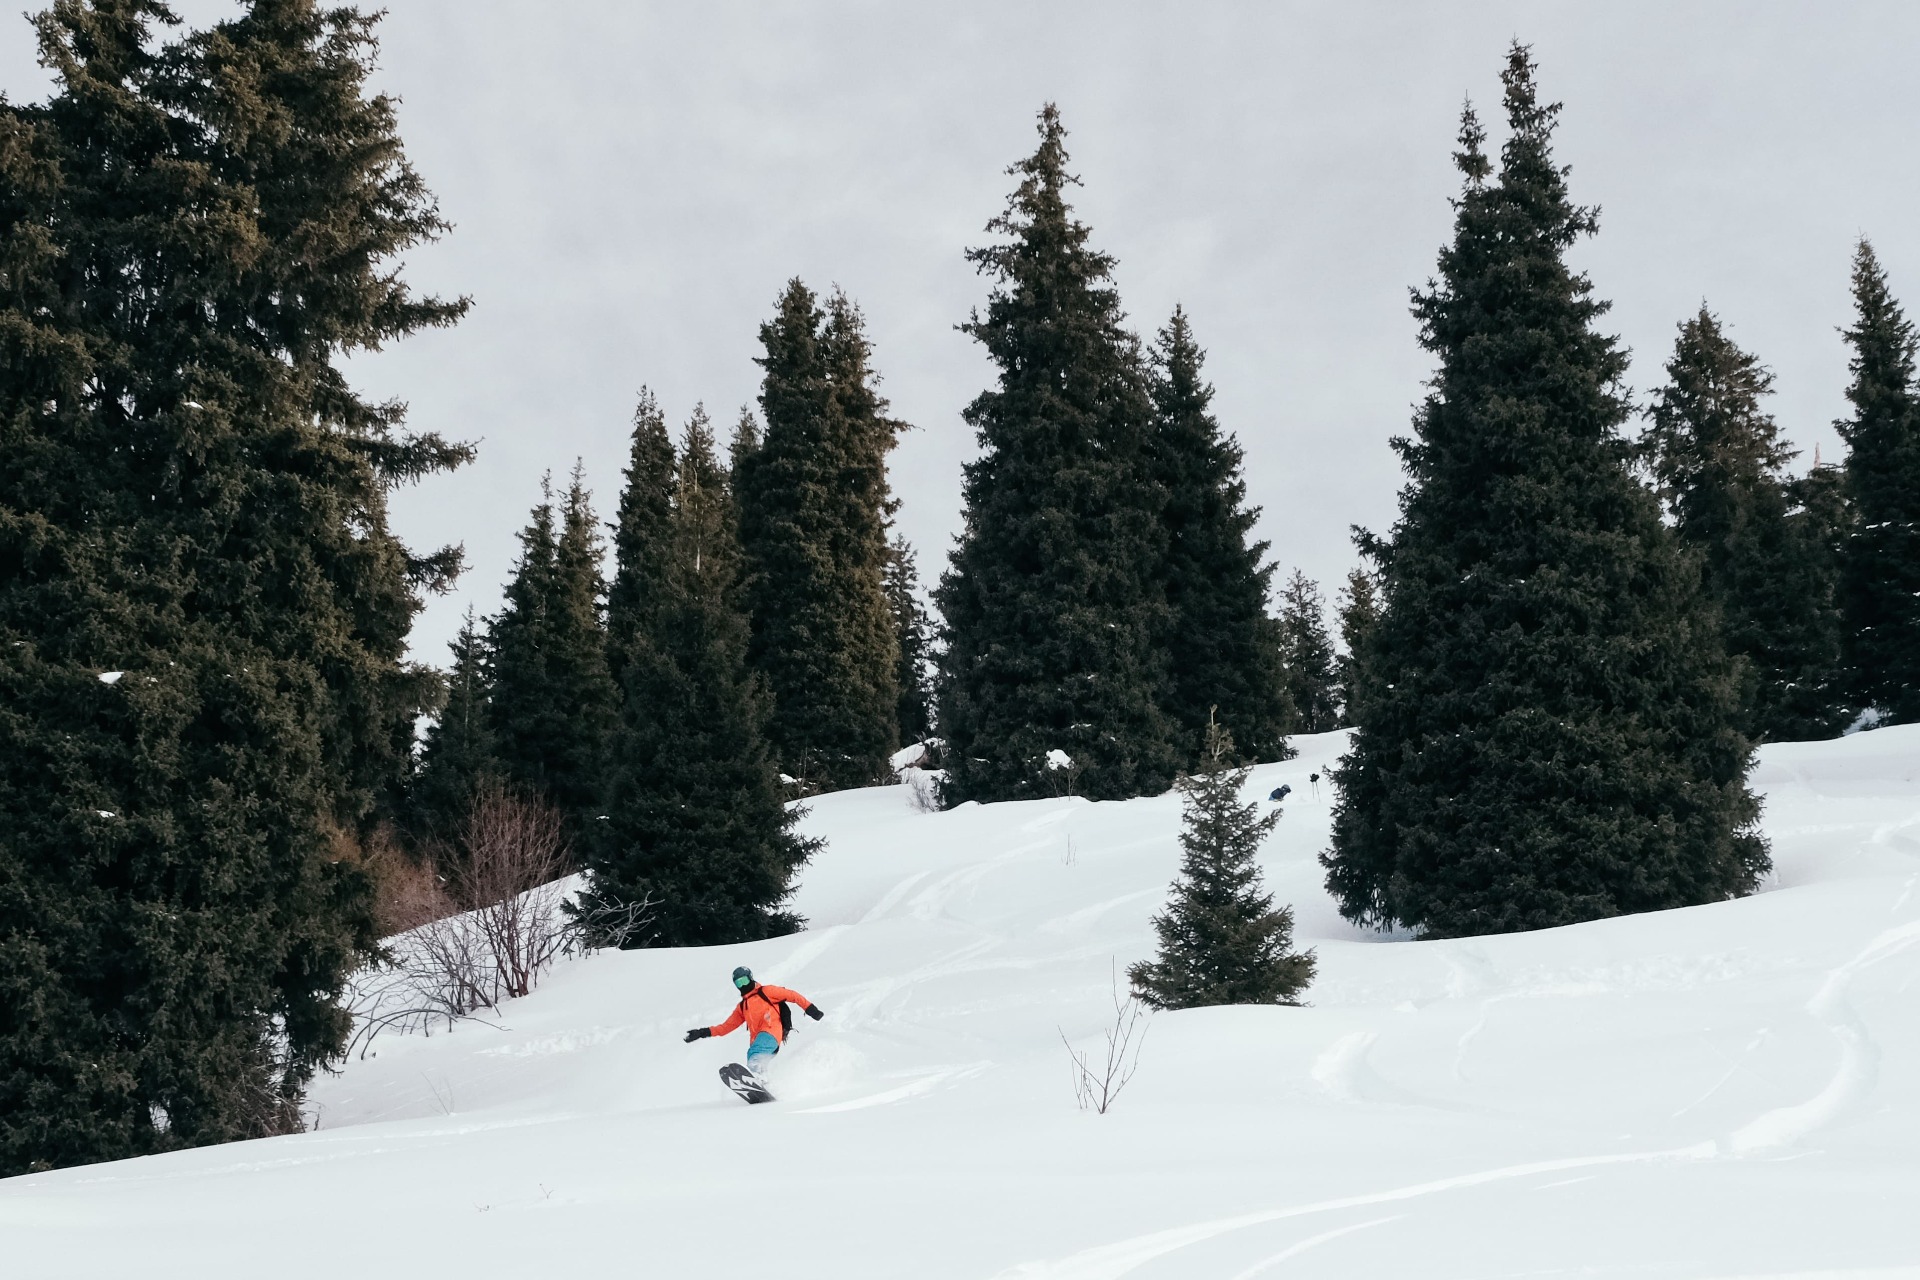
(698, 1033)
(813, 1011)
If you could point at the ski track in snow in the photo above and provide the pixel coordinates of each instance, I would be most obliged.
(892, 897)
(1294, 1251)
(1854, 1075)
(911, 1089)
(1760, 1038)
(1111, 1261)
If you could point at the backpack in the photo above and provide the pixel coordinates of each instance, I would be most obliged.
(786, 1014)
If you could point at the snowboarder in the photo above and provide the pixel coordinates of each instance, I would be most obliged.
(763, 1010)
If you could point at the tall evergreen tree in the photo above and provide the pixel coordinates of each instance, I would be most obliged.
(458, 756)
(913, 632)
(552, 700)
(1223, 645)
(203, 613)
(1551, 732)
(745, 443)
(642, 531)
(316, 167)
(577, 662)
(1307, 660)
(518, 639)
(1720, 466)
(813, 503)
(1359, 617)
(1825, 520)
(1053, 603)
(1880, 592)
(695, 820)
(1222, 941)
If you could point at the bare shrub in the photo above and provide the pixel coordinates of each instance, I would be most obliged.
(488, 925)
(407, 891)
(513, 850)
(1098, 1079)
(594, 924)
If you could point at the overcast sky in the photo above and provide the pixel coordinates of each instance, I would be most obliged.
(632, 184)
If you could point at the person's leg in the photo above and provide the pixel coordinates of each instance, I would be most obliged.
(760, 1053)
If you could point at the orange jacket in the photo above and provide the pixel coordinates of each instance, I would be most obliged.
(760, 1010)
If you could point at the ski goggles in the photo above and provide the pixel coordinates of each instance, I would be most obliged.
(743, 981)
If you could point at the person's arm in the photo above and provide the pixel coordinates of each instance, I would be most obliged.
(807, 1006)
(722, 1028)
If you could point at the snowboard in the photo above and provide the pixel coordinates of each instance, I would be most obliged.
(743, 1082)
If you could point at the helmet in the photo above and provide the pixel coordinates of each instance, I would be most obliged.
(742, 978)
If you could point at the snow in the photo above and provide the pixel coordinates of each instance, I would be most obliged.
(1724, 1091)
(908, 756)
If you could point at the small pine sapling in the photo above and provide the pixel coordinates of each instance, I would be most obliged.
(1222, 941)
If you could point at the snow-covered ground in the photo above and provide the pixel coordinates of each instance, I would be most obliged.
(1724, 1091)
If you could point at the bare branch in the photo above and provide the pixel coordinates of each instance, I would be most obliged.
(1098, 1080)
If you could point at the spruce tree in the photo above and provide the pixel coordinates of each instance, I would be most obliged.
(1053, 602)
(1307, 660)
(1880, 575)
(695, 822)
(518, 638)
(813, 502)
(577, 662)
(458, 756)
(1719, 462)
(1224, 648)
(1222, 941)
(1359, 610)
(641, 531)
(913, 633)
(203, 613)
(1823, 521)
(1550, 734)
(552, 700)
(314, 167)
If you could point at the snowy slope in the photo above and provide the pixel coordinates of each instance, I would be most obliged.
(1724, 1091)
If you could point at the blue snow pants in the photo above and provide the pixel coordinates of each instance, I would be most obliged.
(760, 1053)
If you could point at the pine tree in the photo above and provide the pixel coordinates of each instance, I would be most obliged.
(1307, 660)
(518, 638)
(813, 502)
(642, 531)
(1880, 574)
(1053, 605)
(1720, 465)
(458, 755)
(745, 443)
(577, 661)
(913, 631)
(1359, 617)
(203, 613)
(553, 698)
(1550, 735)
(315, 169)
(695, 820)
(1823, 520)
(1222, 941)
(1224, 647)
